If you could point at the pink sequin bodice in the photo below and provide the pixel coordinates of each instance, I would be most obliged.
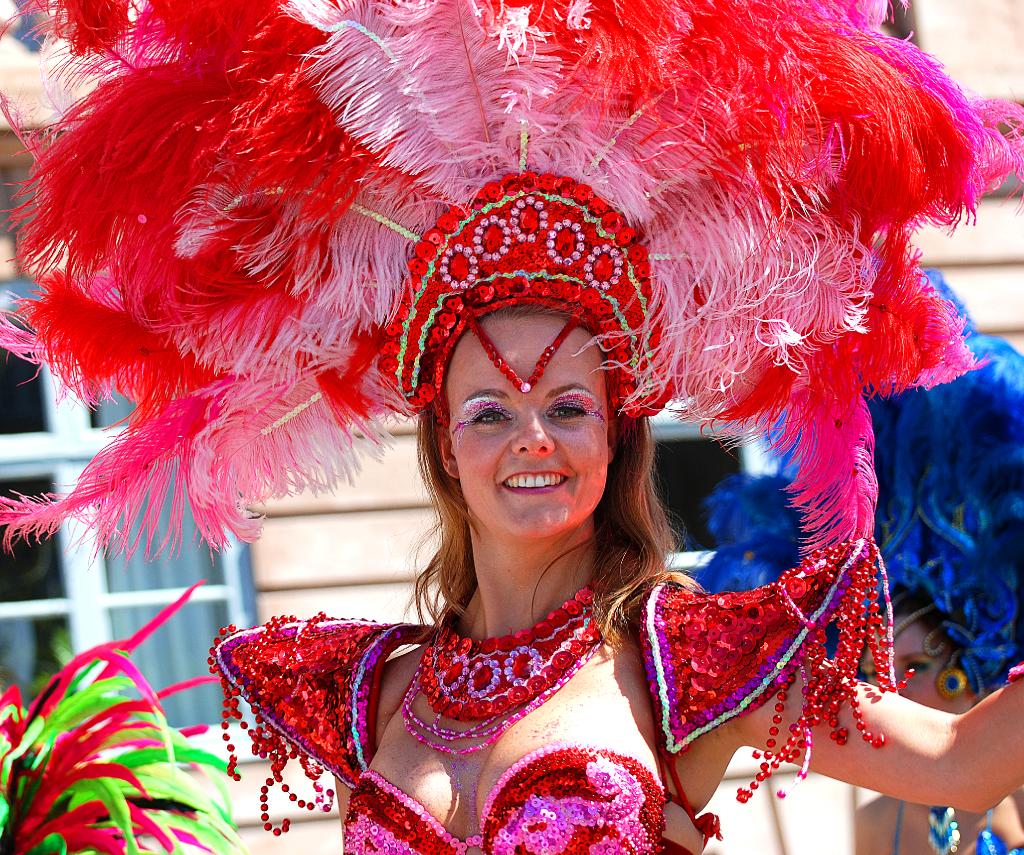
(561, 799)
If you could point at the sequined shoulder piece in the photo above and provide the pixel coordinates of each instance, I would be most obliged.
(575, 799)
(710, 658)
(312, 685)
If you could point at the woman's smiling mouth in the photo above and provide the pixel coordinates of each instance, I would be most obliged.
(534, 480)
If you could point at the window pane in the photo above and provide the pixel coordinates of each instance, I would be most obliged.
(32, 572)
(109, 412)
(688, 470)
(21, 399)
(31, 651)
(178, 651)
(193, 561)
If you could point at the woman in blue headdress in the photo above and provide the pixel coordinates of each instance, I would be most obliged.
(950, 525)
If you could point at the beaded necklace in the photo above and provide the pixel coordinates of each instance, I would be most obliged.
(489, 685)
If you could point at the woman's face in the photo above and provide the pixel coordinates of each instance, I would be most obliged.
(531, 466)
(910, 650)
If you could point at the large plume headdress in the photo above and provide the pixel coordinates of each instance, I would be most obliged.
(950, 518)
(224, 218)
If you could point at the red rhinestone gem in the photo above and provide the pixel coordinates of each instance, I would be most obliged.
(458, 268)
(493, 237)
(604, 267)
(565, 242)
(522, 667)
(482, 677)
(529, 220)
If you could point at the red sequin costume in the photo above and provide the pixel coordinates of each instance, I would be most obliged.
(313, 685)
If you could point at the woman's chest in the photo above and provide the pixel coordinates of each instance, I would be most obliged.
(557, 799)
(456, 787)
(578, 769)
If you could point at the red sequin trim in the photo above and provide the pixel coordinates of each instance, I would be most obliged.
(312, 685)
(472, 681)
(712, 657)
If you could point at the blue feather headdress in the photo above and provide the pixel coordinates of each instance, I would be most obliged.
(950, 516)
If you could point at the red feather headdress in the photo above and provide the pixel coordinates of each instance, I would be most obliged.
(244, 223)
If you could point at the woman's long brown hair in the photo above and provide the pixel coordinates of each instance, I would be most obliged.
(632, 533)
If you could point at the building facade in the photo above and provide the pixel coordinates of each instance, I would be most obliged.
(355, 552)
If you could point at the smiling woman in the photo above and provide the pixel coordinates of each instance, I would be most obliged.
(532, 226)
(601, 505)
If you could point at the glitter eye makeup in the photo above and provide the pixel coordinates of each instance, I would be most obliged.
(476, 410)
(585, 404)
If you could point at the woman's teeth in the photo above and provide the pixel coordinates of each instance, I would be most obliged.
(547, 480)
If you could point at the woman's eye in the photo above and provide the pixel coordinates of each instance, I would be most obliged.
(490, 416)
(568, 411)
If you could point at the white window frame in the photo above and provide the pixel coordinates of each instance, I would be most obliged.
(60, 453)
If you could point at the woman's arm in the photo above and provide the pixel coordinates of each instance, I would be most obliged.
(342, 795)
(971, 761)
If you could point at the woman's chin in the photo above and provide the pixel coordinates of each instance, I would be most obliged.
(542, 527)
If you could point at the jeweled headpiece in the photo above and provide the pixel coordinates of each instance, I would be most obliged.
(950, 518)
(527, 240)
(266, 222)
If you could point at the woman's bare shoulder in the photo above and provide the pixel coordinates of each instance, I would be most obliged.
(398, 672)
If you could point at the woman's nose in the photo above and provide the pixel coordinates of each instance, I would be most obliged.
(533, 438)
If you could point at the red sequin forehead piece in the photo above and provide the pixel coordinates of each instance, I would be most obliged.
(527, 240)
